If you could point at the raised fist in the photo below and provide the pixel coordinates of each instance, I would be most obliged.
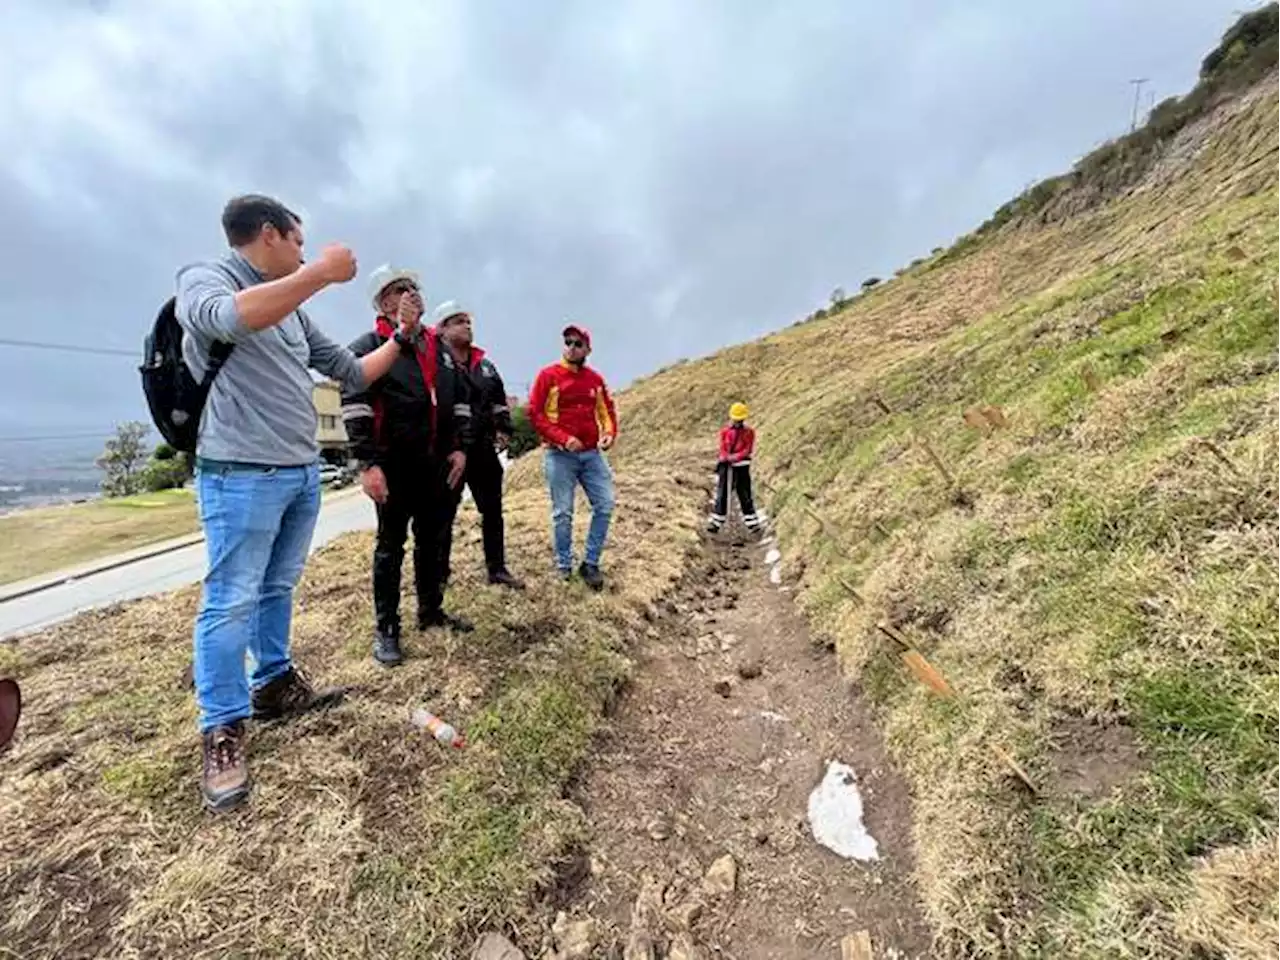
(337, 263)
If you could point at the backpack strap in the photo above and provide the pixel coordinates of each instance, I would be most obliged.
(219, 350)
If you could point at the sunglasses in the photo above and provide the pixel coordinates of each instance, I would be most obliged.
(574, 342)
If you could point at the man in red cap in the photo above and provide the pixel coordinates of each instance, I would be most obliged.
(573, 413)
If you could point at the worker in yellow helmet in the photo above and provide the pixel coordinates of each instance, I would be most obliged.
(737, 442)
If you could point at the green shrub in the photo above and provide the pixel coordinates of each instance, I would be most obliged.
(525, 438)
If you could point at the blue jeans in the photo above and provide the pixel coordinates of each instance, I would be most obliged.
(257, 523)
(565, 471)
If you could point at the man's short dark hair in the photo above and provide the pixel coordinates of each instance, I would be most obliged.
(245, 216)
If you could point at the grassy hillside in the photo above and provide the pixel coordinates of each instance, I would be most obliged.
(1098, 583)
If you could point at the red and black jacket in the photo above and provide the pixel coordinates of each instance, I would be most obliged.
(490, 411)
(418, 410)
(737, 443)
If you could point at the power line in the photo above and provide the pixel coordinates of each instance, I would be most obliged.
(69, 348)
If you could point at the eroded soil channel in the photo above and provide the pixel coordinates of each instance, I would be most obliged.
(700, 843)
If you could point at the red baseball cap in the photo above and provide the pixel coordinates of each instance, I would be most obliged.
(583, 332)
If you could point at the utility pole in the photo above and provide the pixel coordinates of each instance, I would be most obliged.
(1137, 92)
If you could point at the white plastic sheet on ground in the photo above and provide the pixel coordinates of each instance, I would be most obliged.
(773, 556)
(835, 815)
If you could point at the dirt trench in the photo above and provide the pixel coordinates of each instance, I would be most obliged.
(730, 722)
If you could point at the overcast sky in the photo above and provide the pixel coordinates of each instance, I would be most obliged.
(676, 175)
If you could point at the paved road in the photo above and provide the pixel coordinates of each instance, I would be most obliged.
(157, 574)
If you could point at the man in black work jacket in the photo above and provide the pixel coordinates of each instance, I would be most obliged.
(491, 431)
(409, 433)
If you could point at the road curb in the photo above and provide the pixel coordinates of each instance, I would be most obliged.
(27, 588)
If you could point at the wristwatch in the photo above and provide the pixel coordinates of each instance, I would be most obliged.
(406, 343)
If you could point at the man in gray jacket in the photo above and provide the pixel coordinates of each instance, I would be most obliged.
(257, 467)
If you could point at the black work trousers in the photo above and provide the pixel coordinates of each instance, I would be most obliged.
(739, 477)
(418, 493)
(484, 479)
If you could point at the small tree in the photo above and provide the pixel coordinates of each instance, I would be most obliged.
(838, 296)
(122, 460)
(525, 437)
(870, 282)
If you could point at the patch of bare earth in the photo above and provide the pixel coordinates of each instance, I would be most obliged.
(1091, 758)
(727, 728)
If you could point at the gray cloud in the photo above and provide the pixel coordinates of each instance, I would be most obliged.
(677, 176)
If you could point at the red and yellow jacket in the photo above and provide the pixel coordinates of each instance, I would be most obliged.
(569, 402)
(737, 441)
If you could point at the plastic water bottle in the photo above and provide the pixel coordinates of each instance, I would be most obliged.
(442, 731)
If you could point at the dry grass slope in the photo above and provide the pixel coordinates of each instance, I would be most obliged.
(363, 839)
(1102, 589)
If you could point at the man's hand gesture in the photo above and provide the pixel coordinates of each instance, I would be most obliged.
(337, 264)
(409, 313)
(457, 467)
(374, 483)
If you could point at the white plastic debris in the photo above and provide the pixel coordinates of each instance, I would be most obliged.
(773, 717)
(773, 556)
(835, 815)
(775, 575)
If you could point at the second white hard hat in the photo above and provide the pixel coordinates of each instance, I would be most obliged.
(385, 275)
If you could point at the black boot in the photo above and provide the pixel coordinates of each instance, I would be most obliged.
(503, 577)
(386, 646)
(591, 576)
(438, 618)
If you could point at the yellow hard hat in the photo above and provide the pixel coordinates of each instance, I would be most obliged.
(738, 411)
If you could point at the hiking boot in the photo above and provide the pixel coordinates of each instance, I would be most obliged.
(289, 695)
(591, 576)
(438, 618)
(504, 578)
(386, 647)
(225, 779)
(713, 526)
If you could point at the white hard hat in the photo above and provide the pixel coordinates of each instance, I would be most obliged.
(384, 276)
(450, 308)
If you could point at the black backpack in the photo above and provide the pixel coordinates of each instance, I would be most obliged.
(175, 397)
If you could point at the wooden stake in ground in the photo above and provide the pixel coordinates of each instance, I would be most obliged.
(923, 440)
(1004, 757)
(856, 946)
(849, 589)
(935, 459)
(923, 670)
